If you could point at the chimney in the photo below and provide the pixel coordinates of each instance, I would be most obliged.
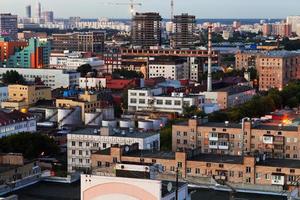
(209, 78)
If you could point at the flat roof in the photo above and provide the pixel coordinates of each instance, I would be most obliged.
(288, 163)
(215, 158)
(151, 154)
(128, 134)
(235, 89)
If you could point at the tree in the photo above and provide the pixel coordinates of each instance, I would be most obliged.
(84, 69)
(30, 145)
(128, 74)
(12, 77)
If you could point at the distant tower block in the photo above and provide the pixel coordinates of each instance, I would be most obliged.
(209, 77)
(28, 11)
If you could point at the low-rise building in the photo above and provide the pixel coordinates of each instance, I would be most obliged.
(72, 60)
(230, 96)
(154, 99)
(90, 82)
(241, 172)
(54, 78)
(82, 142)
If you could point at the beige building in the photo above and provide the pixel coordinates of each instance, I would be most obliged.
(22, 96)
(277, 68)
(88, 102)
(237, 139)
(245, 59)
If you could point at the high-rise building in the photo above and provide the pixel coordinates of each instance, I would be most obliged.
(48, 16)
(38, 10)
(87, 42)
(28, 11)
(9, 25)
(146, 29)
(35, 55)
(184, 28)
(294, 21)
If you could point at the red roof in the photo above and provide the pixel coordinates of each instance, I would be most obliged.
(12, 117)
(119, 84)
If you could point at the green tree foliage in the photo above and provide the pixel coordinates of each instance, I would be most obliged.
(12, 77)
(30, 145)
(128, 74)
(84, 69)
(191, 111)
(166, 135)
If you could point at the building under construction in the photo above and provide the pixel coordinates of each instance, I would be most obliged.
(146, 30)
(184, 29)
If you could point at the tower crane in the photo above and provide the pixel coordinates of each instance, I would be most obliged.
(131, 5)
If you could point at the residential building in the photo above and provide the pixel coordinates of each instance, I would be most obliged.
(146, 30)
(245, 59)
(270, 141)
(81, 143)
(174, 69)
(294, 21)
(277, 68)
(154, 99)
(54, 78)
(14, 122)
(184, 26)
(277, 29)
(35, 55)
(9, 25)
(86, 42)
(72, 60)
(8, 48)
(28, 11)
(26, 95)
(241, 172)
(48, 16)
(26, 35)
(231, 96)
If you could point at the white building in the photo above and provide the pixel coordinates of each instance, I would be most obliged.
(54, 78)
(102, 24)
(16, 122)
(71, 61)
(3, 93)
(116, 188)
(153, 99)
(294, 21)
(92, 82)
(80, 143)
(173, 69)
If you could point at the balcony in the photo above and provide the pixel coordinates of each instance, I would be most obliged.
(268, 139)
(213, 145)
(213, 137)
(224, 145)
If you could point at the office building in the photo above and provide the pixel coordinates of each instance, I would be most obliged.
(82, 142)
(184, 29)
(15, 122)
(38, 10)
(146, 30)
(155, 100)
(85, 42)
(54, 78)
(28, 11)
(9, 26)
(35, 55)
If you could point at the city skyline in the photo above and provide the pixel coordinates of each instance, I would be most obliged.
(221, 9)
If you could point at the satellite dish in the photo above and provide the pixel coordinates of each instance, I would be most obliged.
(169, 187)
(126, 148)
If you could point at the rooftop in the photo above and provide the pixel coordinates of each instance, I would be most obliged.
(12, 117)
(235, 89)
(214, 158)
(151, 154)
(280, 163)
(117, 133)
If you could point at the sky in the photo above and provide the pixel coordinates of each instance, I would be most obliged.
(234, 9)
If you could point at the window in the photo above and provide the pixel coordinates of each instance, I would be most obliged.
(142, 101)
(142, 94)
(231, 173)
(80, 144)
(208, 164)
(168, 102)
(197, 171)
(159, 102)
(80, 152)
(73, 143)
(184, 141)
(142, 160)
(115, 160)
(248, 169)
(221, 165)
(172, 168)
(179, 164)
(99, 163)
(132, 100)
(292, 171)
(240, 174)
(188, 170)
(177, 103)
(178, 133)
(107, 164)
(278, 170)
(267, 176)
(87, 144)
(153, 161)
(104, 145)
(73, 152)
(178, 141)
(184, 133)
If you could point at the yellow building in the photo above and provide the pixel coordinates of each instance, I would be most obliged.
(23, 96)
(88, 102)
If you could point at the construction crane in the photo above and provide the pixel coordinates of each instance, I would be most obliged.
(131, 6)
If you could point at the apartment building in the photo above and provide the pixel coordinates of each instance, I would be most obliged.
(240, 172)
(54, 78)
(245, 59)
(237, 139)
(14, 122)
(9, 25)
(231, 96)
(277, 68)
(154, 99)
(81, 143)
